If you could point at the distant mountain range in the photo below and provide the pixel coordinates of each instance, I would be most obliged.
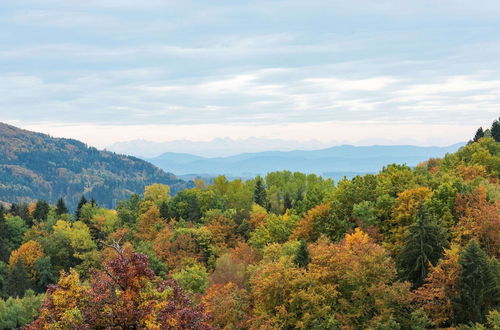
(37, 166)
(334, 162)
(221, 147)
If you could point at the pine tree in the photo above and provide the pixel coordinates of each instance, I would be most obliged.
(424, 246)
(61, 207)
(287, 202)
(18, 280)
(82, 202)
(479, 134)
(41, 211)
(302, 257)
(495, 130)
(165, 211)
(259, 195)
(93, 201)
(4, 236)
(477, 286)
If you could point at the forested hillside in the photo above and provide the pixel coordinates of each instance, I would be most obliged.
(406, 248)
(37, 166)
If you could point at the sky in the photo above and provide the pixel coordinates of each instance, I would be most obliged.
(360, 71)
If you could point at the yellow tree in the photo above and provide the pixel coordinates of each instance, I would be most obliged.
(286, 297)
(157, 193)
(149, 223)
(364, 274)
(405, 208)
(28, 254)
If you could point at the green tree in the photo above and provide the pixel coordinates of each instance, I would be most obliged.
(61, 207)
(479, 134)
(82, 202)
(193, 278)
(18, 280)
(4, 276)
(478, 286)
(44, 273)
(424, 246)
(259, 194)
(41, 211)
(495, 130)
(302, 256)
(4, 236)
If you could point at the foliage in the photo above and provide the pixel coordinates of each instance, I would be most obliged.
(405, 248)
(478, 285)
(423, 248)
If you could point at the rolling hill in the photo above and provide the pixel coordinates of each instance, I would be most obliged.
(37, 166)
(334, 162)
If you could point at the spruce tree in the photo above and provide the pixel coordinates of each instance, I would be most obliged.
(165, 211)
(479, 134)
(259, 195)
(287, 202)
(61, 207)
(4, 237)
(495, 130)
(18, 280)
(424, 246)
(302, 257)
(41, 211)
(82, 202)
(477, 286)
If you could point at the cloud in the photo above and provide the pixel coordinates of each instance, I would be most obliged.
(236, 63)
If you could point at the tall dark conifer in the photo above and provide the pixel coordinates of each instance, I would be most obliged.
(287, 202)
(302, 257)
(18, 280)
(424, 246)
(41, 211)
(259, 195)
(479, 134)
(478, 286)
(495, 130)
(61, 207)
(4, 237)
(82, 202)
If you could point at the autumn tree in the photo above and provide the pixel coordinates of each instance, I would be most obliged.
(288, 297)
(27, 254)
(157, 193)
(440, 288)
(150, 223)
(228, 305)
(478, 218)
(124, 295)
(364, 275)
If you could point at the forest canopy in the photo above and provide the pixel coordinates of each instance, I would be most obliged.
(406, 248)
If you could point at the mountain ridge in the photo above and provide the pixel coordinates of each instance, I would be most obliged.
(37, 166)
(327, 161)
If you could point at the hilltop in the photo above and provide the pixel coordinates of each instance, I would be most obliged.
(38, 166)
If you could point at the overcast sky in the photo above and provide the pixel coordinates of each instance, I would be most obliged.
(385, 71)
